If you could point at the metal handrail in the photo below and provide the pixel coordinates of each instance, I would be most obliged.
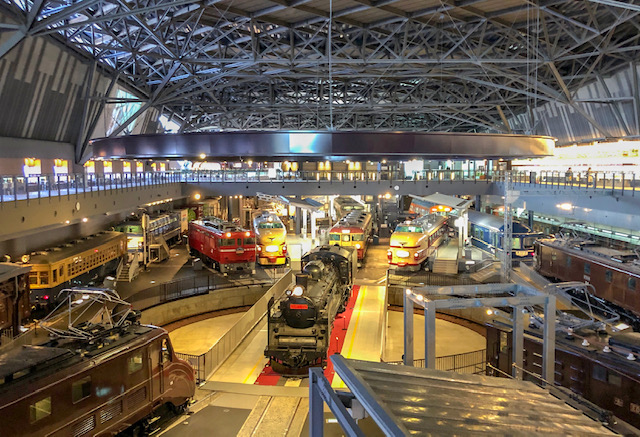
(18, 187)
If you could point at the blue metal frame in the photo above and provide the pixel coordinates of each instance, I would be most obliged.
(367, 398)
(320, 391)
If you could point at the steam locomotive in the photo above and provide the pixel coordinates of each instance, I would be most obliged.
(300, 322)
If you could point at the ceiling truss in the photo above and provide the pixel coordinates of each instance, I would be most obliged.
(445, 65)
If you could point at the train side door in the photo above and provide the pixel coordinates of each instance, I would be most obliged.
(157, 370)
(503, 352)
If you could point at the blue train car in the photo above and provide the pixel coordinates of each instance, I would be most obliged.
(486, 231)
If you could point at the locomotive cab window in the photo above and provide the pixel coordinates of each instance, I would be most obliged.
(516, 244)
(135, 362)
(334, 237)
(249, 241)
(608, 276)
(81, 389)
(614, 379)
(227, 242)
(587, 268)
(599, 373)
(631, 283)
(166, 351)
(357, 237)
(39, 410)
(568, 261)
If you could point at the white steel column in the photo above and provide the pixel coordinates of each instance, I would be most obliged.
(429, 334)
(408, 329)
(517, 342)
(314, 228)
(549, 340)
(507, 234)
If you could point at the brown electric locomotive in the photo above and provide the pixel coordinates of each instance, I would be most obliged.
(602, 370)
(102, 385)
(615, 274)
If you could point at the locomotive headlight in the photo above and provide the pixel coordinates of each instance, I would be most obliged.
(271, 249)
(247, 234)
(228, 234)
(357, 245)
(297, 291)
(259, 248)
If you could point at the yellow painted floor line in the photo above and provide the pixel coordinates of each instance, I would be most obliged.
(361, 294)
(252, 370)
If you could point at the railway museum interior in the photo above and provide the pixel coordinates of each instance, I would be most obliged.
(319, 217)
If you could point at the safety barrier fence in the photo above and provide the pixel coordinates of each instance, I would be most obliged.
(192, 286)
(622, 183)
(208, 362)
(36, 187)
(427, 278)
(468, 362)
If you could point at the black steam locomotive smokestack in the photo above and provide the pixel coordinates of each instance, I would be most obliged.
(302, 279)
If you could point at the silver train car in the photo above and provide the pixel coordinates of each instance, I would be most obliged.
(300, 322)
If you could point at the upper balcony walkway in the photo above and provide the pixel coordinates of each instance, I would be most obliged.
(248, 182)
(42, 203)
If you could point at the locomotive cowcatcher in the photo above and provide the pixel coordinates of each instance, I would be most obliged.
(300, 321)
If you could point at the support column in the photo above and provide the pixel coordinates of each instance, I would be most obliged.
(549, 340)
(517, 342)
(229, 203)
(304, 223)
(478, 203)
(298, 221)
(332, 211)
(507, 230)
(430, 334)
(408, 329)
(314, 228)
(316, 407)
(530, 219)
(465, 216)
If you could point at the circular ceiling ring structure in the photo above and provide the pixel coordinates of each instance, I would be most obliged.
(322, 145)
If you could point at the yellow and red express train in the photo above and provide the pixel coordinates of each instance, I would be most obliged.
(413, 242)
(271, 239)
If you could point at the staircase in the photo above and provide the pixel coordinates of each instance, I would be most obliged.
(124, 273)
(447, 266)
(490, 273)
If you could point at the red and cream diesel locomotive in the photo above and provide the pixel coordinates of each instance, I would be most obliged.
(353, 230)
(225, 245)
